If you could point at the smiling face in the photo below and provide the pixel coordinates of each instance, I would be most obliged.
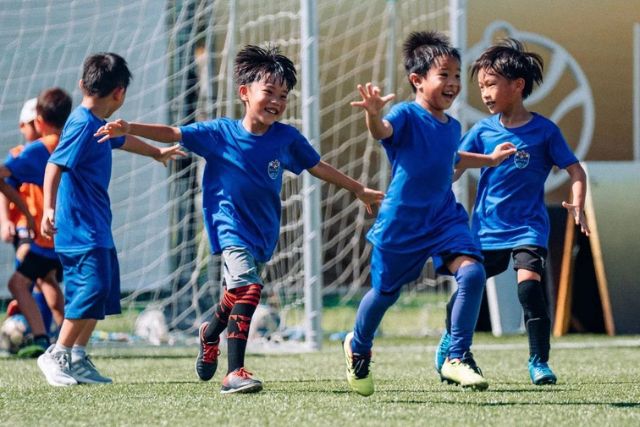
(499, 94)
(437, 90)
(265, 101)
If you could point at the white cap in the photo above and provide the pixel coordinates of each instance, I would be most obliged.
(28, 112)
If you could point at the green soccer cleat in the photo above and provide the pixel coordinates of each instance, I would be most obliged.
(358, 372)
(463, 372)
(35, 349)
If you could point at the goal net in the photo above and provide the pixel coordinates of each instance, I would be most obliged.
(180, 53)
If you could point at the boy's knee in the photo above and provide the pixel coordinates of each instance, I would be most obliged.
(389, 297)
(19, 283)
(471, 276)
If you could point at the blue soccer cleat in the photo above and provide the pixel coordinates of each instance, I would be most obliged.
(442, 350)
(540, 372)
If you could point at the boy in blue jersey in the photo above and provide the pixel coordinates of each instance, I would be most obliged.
(419, 217)
(40, 264)
(77, 210)
(241, 196)
(509, 216)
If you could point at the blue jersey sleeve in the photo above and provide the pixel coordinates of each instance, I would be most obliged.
(74, 139)
(29, 165)
(471, 141)
(397, 118)
(201, 137)
(300, 155)
(117, 142)
(559, 150)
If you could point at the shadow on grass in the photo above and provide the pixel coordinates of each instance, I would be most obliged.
(499, 404)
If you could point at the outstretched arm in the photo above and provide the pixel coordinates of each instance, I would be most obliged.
(475, 160)
(52, 174)
(156, 132)
(328, 173)
(162, 155)
(373, 103)
(578, 191)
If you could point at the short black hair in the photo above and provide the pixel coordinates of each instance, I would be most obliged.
(423, 49)
(103, 72)
(254, 63)
(54, 106)
(509, 59)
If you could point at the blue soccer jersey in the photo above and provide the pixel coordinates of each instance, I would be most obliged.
(28, 167)
(243, 178)
(420, 211)
(509, 209)
(83, 208)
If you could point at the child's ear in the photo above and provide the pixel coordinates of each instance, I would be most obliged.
(243, 91)
(38, 123)
(415, 80)
(520, 83)
(118, 93)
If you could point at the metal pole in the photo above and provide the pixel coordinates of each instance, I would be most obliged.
(389, 82)
(458, 30)
(231, 53)
(636, 92)
(311, 186)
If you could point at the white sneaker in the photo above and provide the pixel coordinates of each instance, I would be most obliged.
(85, 372)
(55, 367)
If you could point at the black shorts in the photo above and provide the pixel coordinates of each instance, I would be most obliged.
(530, 258)
(36, 266)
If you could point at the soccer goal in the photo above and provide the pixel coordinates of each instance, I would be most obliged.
(181, 56)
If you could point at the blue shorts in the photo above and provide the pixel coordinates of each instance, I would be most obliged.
(91, 283)
(392, 270)
(240, 268)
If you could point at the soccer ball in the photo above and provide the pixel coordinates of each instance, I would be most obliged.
(151, 325)
(264, 323)
(14, 333)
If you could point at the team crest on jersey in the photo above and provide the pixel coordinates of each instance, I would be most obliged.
(274, 168)
(521, 159)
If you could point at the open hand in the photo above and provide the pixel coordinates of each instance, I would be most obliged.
(578, 217)
(370, 197)
(501, 152)
(372, 101)
(169, 153)
(112, 130)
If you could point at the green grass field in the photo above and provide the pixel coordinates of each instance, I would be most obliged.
(598, 385)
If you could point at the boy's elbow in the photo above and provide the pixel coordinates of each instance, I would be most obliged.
(176, 134)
